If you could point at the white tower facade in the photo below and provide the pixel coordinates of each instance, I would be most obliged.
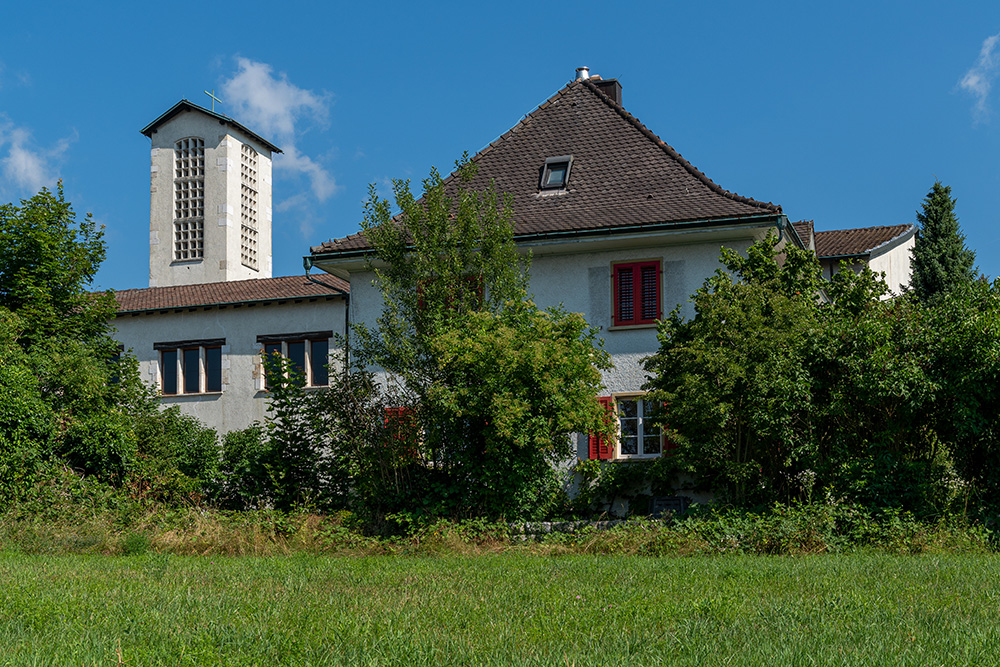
(210, 199)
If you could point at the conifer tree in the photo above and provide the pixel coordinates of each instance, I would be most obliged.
(941, 262)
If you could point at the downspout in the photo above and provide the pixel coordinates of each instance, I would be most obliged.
(307, 262)
(779, 224)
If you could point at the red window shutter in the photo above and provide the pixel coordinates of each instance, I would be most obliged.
(599, 447)
(624, 290)
(636, 293)
(650, 282)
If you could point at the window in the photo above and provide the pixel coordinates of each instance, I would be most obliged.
(636, 293)
(637, 436)
(189, 199)
(248, 207)
(308, 353)
(555, 174)
(190, 367)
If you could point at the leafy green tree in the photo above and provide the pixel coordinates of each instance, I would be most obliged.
(941, 261)
(64, 391)
(498, 384)
(736, 378)
(774, 394)
(49, 259)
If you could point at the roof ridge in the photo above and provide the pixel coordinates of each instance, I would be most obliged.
(858, 229)
(672, 152)
(228, 284)
(185, 102)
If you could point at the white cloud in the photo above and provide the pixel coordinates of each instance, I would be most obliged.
(979, 79)
(322, 183)
(273, 106)
(24, 165)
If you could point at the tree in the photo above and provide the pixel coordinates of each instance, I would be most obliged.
(736, 377)
(941, 262)
(498, 384)
(66, 392)
(773, 394)
(49, 259)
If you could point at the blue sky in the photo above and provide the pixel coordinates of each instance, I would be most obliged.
(844, 113)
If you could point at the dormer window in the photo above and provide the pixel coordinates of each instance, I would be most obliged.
(556, 172)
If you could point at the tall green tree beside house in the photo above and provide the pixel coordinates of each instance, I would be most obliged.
(67, 395)
(941, 261)
(499, 384)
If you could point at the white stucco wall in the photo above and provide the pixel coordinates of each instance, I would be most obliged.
(895, 263)
(578, 276)
(242, 400)
(221, 259)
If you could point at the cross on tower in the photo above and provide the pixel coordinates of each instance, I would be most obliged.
(214, 98)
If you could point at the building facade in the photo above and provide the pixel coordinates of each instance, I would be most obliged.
(212, 309)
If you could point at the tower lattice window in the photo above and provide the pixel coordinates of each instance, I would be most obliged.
(189, 199)
(248, 208)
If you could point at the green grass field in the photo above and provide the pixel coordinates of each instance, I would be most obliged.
(506, 609)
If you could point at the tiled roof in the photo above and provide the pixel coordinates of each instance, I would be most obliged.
(622, 174)
(847, 242)
(224, 293)
(804, 230)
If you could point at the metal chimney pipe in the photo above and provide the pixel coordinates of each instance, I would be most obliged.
(582, 73)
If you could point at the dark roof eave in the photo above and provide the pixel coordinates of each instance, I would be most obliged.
(186, 104)
(584, 233)
(857, 255)
(221, 304)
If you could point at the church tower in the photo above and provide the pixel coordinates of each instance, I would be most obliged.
(210, 199)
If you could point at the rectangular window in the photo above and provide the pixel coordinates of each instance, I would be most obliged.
(248, 207)
(168, 379)
(638, 436)
(192, 370)
(189, 199)
(307, 352)
(190, 367)
(213, 369)
(320, 349)
(636, 291)
(555, 173)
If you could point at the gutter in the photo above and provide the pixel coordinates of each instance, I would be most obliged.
(307, 263)
(526, 239)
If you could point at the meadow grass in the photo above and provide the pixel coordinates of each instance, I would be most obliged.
(502, 609)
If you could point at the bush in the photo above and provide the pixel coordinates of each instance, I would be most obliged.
(242, 481)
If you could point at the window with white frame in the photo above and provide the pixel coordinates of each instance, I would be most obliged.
(190, 367)
(637, 436)
(189, 199)
(248, 207)
(308, 354)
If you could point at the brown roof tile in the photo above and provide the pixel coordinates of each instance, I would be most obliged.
(234, 292)
(622, 174)
(804, 229)
(847, 242)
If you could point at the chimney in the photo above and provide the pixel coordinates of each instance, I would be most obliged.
(609, 87)
(582, 73)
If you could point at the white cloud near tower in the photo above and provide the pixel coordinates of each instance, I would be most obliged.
(268, 103)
